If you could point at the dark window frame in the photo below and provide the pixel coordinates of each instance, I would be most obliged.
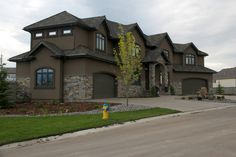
(190, 59)
(35, 33)
(50, 36)
(99, 40)
(67, 34)
(166, 52)
(42, 73)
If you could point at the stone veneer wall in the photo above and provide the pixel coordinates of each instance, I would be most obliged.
(134, 91)
(23, 89)
(78, 87)
(178, 87)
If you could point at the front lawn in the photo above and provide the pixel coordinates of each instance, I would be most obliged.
(15, 129)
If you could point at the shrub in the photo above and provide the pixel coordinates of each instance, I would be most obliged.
(172, 90)
(219, 90)
(4, 90)
(190, 98)
(153, 91)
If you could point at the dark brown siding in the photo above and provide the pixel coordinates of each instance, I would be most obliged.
(178, 59)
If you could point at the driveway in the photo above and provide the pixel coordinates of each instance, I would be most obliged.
(204, 134)
(172, 102)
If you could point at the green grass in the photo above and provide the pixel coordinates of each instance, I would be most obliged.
(15, 129)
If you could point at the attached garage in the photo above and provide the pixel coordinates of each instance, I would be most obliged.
(191, 86)
(104, 86)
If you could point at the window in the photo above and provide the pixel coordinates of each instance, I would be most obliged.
(166, 52)
(67, 31)
(136, 50)
(100, 42)
(39, 35)
(52, 33)
(189, 59)
(45, 78)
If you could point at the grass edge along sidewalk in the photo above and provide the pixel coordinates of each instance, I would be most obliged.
(17, 129)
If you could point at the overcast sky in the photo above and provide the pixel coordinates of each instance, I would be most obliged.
(209, 24)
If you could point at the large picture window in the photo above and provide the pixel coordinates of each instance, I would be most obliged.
(189, 59)
(100, 42)
(45, 78)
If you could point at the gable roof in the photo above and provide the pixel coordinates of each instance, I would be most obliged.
(180, 48)
(27, 56)
(60, 19)
(228, 73)
(156, 39)
(94, 22)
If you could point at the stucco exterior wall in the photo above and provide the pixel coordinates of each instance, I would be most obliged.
(178, 78)
(225, 83)
(62, 41)
(44, 59)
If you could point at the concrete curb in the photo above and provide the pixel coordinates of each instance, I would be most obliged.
(96, 130)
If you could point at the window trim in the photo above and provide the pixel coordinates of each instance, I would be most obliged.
(97, 49)
(189, 59)
(45, 87)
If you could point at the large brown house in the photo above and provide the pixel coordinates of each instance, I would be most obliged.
(72, 58)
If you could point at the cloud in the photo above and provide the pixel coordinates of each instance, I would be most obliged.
(210, 24)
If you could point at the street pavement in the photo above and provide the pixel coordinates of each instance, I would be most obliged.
(200, 134)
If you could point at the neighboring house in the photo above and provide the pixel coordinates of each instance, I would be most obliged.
(72, 58)
(11, 74)
(227, 79)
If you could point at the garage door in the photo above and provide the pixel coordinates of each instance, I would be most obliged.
(191, 86)
(103, 86)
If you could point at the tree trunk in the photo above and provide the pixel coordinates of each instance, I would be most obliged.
(127, 95)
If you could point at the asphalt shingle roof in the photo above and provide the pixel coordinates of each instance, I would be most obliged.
(228, 73)
(192, 68)
(60, 19)
(180, 48)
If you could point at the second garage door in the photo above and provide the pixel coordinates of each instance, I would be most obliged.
(191, 86)
(103, 86)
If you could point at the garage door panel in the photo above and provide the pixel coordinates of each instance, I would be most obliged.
(191, 86)
(103, 86)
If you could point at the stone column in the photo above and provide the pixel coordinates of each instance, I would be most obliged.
(152, 75)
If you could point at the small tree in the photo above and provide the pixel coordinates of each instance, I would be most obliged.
(4, 89)
(128, 59)
(219, 90)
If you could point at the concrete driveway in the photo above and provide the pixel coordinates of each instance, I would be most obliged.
(203, 134)
(172, 102)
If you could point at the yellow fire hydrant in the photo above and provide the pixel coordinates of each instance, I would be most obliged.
(105, 113)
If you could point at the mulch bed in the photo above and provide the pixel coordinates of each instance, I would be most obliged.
(44, 108)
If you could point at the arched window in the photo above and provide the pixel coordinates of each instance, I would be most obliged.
(100, 42)
(45, 78)
(189, 59)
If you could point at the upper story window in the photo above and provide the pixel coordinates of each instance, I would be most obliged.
(166, 52)
(100, 42)
(67, 31)
(38, 35)
(189, 59)
(45, 78)
(52, 33)
(136, 50)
